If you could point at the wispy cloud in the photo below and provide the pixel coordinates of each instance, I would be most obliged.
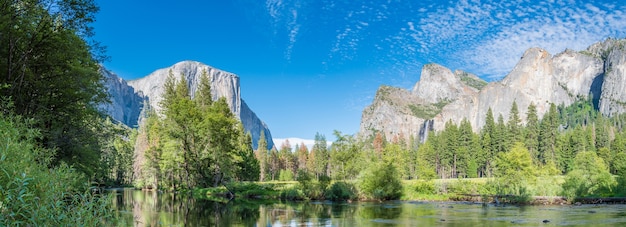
(284, 16)
(488, 37)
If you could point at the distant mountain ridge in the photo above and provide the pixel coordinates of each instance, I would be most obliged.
(540, 78)
(130, 98)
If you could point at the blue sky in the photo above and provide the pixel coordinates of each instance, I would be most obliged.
(313, 66)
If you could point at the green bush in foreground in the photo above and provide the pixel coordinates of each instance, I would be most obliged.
(341, 191)
(33, 195)
(590, 177)
(381, 181)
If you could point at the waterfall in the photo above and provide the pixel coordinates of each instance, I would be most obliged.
(427, 127)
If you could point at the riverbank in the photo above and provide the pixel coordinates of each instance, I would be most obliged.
(546, 191)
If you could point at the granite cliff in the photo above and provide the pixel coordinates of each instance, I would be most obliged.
(130, 98)
(126, 103)
(539, 78)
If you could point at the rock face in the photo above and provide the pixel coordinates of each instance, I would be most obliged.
(126, 103)
(538, 78)
(223, 84)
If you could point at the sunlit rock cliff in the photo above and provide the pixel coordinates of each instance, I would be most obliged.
(540, 78)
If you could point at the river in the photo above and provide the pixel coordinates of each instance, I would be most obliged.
(144, 208)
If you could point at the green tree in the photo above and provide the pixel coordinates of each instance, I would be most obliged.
(514, 170)
(381, 181)
(248, 168)
(502, 139)
(50, 74)
(514, 123)
(589, 177)
(425, 160)
(345, 157)
(531, 136)
(321, 156)
(261, 154)
(548, 134)
(203, 95)
(488, 137)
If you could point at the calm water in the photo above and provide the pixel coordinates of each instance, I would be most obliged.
(142, 208)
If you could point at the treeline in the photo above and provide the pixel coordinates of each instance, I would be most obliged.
(559, 144)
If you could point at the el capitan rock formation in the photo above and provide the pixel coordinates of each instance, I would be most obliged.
(129, 98)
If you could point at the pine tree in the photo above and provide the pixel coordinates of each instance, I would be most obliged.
(531, 137)
(248, 168)
(261, 154)
(548, 134)
(502, 138)
(321, 156)
(203, 96)
(513, 124)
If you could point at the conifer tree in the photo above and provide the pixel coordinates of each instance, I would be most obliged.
(531, 136)
(261, 154)
(513, 124)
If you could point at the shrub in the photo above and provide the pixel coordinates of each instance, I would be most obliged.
(590, 177)
(425, 187)
(31, 194)
(312, 189)
(381, 182)
(292, 193)
(285, 175)
(341, 191)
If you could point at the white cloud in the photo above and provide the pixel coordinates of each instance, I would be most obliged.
(274, 8)
(488, 37)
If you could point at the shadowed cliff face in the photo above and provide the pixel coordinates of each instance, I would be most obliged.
(126, 103)
(150, 90)
(538, 78)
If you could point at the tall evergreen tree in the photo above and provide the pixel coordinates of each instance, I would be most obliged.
(262, 154)
(203, 96)
(548, 134)
(514, 124)
(321, 156)
(502, 137)
(248, 168)
(531, 136)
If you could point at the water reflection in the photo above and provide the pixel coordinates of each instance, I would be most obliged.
(143, 208)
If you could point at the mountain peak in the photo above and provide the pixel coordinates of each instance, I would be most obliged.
(439, 84)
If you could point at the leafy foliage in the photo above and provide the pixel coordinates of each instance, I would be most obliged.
(33, 195)
(590, 177)
(341, 191)
(381, 182)
(514, 170)
(51, 76)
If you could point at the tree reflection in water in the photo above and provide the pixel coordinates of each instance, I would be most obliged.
(144, 208)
